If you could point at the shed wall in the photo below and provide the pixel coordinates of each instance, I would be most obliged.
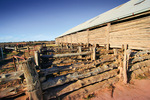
(135, 33)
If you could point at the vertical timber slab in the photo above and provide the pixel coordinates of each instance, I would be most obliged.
(32, 80)
(80, 50)
(125, 65)
(77, 37)
(115, 51)
(120, 66)
(107, 33)
(128, 57)
(16, 48)
(93, 54)
(37, 58)
(87, 37)
(14, 64)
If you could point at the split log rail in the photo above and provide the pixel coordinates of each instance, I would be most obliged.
(83, 74)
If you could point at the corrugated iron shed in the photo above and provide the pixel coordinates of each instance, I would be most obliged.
(122, 11)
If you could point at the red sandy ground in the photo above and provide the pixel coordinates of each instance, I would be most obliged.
(136, 90)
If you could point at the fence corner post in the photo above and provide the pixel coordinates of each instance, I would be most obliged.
(125, 78)
(32, 80)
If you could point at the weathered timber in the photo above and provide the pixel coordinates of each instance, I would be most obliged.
(139, 65)
(94, 54)
(120, 60)
(81, 92)
(12, 48)
(108, 32)
(80, 50)
(66, 55)
(138, 59)
(128, 57)
(84, 82)
(125, 65)
(87, 37)
(12, 91)
(66, 50)
(138, 54)
(15, 63)
(11, 76)
(37, 58)
(32, 79)
(52, 82)
(128, 32)
(115, 51)
(55, 69)
(78, 66)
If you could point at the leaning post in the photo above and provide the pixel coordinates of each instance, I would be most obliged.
(37, 58)
(34, 90)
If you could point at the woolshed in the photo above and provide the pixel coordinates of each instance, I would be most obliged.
(128, 23)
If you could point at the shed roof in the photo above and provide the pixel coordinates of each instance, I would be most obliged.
(125, 10)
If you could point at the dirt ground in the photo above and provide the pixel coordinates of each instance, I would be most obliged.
(136, 90)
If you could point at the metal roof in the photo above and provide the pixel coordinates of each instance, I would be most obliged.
(124, 10)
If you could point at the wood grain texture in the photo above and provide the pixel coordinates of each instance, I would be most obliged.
(135, 33)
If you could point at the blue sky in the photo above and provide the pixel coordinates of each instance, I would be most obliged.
(33, 20)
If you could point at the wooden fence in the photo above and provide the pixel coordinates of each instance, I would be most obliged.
(81, 75)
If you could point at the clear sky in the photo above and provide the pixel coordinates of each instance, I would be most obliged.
(33, 20)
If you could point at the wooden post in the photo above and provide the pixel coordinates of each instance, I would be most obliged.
(16, 48)
(32, 80)
(80, 50)
(125, 65)
(71, 38)
(93, 54)
(61, 46)
(2, 53)
(14, 64)
(87, 37)
(71, 46)
(108, 31)
(67, 46)
(105, 46)
(122, 47)
(28, 49)
(128, 57)
(120, 60)
(77, 37)
(37, 58)
(115, 51)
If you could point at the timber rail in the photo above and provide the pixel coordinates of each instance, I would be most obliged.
(119, 65)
